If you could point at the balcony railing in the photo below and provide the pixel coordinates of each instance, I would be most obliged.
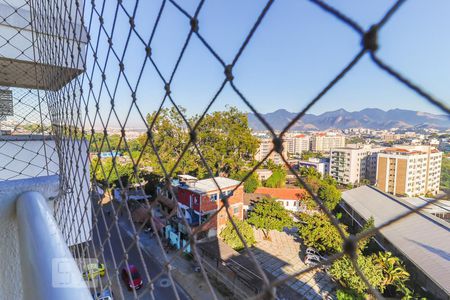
(48, 268)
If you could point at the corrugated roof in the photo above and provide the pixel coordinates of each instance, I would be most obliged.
(423, 238)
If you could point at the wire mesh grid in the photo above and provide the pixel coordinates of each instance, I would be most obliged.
(90, 36)
(26, 149)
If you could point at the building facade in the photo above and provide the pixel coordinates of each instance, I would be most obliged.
(409, 170)
(200, 199)
(349, 165)
(263, 174)
(297, 144)
(322, 166)
(290, 199)
(323, 143)
(265, 146)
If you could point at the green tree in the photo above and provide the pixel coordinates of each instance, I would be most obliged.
(226, 141)
(152, 181)
(267, 215)
(170, 136)
(98, 142)
(348, 295)
(277, 179)
(310, 154)
(394, 272)
(252, 182)
(317, 231)
(112, 172)
(330, 195)
(445, 173)
(229, 235)
(223, 138)
(309, 172)
(362, 244)
(342, 270)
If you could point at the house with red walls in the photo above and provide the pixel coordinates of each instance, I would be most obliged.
(198, 201)
(203, 198)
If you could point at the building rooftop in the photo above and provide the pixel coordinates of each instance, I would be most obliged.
(208, 185)
(423, 238)
(282, 193)
(439, 207)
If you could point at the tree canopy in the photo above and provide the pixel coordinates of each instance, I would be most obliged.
(317, 231)
(111, 171)
(268, 214)
(252, 182)
(329, 195)
(223, 138)
(229, 235)
(277, 179)
(343, 271)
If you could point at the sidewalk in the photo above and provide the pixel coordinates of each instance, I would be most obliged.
(281, 256)
(182, 270)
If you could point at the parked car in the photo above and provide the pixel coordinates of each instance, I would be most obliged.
(314, 257)
(311, 250)
(92, 271)
(312, 260)
(106, 294)
(131, 277)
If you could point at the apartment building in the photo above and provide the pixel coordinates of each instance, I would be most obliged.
(323, 142)
(265, 146)
(321, 165)
(297, 144)
(351, 164)
(409, 170)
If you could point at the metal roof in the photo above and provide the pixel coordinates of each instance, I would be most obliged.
(421, 237)
(208, 185)
(438, 207)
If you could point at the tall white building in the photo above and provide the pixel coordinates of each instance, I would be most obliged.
(409, 170)
(324, 142)
(349, 165)
(297, 144)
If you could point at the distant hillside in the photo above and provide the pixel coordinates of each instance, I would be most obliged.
(341, 119)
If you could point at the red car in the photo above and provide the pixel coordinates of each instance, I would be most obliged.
(131, 277)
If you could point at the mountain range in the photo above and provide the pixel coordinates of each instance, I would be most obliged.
(372, 118)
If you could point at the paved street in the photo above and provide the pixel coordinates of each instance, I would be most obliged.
(162, 287)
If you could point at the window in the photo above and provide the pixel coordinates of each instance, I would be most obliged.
(213, 197)
(236, 210)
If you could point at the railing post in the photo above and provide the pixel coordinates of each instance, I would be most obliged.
(48, 268)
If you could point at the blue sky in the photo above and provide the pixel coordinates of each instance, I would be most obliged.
(295, 52)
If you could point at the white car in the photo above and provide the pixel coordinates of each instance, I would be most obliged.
(314, 257)
(312, 251)
(104, 295)
(311, 261)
